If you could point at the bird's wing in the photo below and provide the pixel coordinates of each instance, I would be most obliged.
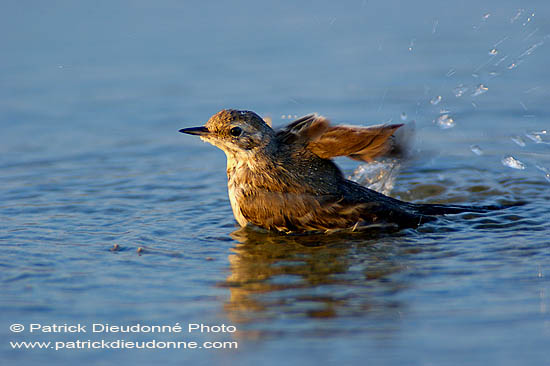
(326, 141)
(304, 129)
(358, 143)
(299, 212)
(291, 212)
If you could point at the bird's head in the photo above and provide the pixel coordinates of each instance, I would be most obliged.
(235, 132)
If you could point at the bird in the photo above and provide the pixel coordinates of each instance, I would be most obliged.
(286, 181)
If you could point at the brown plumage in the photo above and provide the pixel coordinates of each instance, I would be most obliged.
(359, 143)
(284, 180)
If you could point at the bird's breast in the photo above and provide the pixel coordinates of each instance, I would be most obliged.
(235, 191)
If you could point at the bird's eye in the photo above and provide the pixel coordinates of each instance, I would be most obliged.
(236, 131)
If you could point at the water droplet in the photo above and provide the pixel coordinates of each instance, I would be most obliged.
(283, 116)
(460, 90)
(434, 26)
(546, 172)
(513, 65)
(411, 44)
(531, 49)
(513, 163)
(403, 116)
(445, 121)
(523, 106)
(474, 105)
(529, 18)
(450, 73)
(483, 20)
(436, 100)
(518, 14)
(518, 140)
(476, 150)
(480, 89)
(543, 169)
(534, 137)
(475, 75)
(493, 52)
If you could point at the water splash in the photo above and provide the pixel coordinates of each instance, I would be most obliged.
(529, 18)
(434, 26)
(523, 106)
(436, 100)
(519, 13)
(411, 44)
(403, 116)
(514, 65)
(518, 140)
(451, 72)
(493, 52)
(445, 121)
(480, 89)
(379, 176)
(513, 163)
(531, 49)
(546, 172)
(476, 150)
(483, 21)
(460, 90)
(536, 136)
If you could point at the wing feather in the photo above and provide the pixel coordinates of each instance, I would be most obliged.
(326, 141)
(304, 212)
(358, 143)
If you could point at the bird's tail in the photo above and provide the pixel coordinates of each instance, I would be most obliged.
(441, 209)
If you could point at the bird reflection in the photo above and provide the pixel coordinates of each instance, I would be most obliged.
(315, 276)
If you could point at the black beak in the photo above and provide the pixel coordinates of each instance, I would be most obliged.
(200, 131)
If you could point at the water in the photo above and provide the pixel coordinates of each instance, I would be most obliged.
(92, 169)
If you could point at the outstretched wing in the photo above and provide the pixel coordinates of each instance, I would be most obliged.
(326, 141)
(358, 143)
(304, 129)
